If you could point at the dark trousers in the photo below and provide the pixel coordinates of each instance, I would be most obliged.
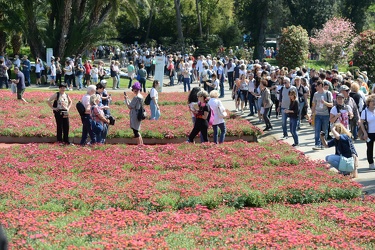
(230, 80)
(370, 148)
(86, 129)
(142, 81)
(58, 79)
(200, 125)
(62, 125)
(266, 118)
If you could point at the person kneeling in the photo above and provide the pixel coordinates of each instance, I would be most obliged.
(344, 149)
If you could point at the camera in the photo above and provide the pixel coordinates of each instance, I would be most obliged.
(111, 119)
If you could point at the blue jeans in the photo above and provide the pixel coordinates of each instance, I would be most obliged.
(155, 113)
(253, 107)
(284, 118)
(186, 83)
(3, 81)
(293, 129)
(334, 161)
(142, 81)
(79, 81)
(171, 79)
(223, 131)
(86, 129)
(321, 124)
(301, 105)
(221, 88)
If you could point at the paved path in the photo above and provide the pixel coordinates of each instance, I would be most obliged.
(306, 137)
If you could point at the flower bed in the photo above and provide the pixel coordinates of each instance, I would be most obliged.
(35, 119)
(177, 196)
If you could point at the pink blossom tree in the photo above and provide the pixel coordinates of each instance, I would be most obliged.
(335, 40)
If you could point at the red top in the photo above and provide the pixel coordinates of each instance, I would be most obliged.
(88, 68)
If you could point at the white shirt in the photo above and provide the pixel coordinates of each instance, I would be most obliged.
(370, 119)
(215, 104)
(53, 69)
(154, 93)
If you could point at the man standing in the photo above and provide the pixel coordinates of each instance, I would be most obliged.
(221, 77)
(26, 66)
(284, 103)
(88, 68)
(322, 100)
(86, 118)
(20, 82)
(3, 74)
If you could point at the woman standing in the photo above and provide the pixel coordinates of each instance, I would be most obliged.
(201, 113)
(186, 76)
(368, 115)
(293, 112)
(134, 105)
(142, 74)
(154, 106)
(242, 94)
(113, 73)
(217, 106)
(266, 103)
(68, 74)
(60, 103)
(99, 124)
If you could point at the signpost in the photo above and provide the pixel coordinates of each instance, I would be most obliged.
(159, 70)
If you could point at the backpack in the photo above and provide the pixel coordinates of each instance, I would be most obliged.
(80, 108)
(211, 117)
(54, 105)
(148, 99)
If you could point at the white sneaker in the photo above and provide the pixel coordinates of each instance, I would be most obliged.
(372, 166)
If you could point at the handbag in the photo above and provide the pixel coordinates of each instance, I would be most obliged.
(346, 164)
(64, 114)
(365, 125)
(141, 113)
(148, 99)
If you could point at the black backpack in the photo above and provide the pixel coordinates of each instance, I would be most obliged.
(80, 108)
(54, 105)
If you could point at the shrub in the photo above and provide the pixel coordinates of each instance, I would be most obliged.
(335, 40)
(293, 48)
(364, 52)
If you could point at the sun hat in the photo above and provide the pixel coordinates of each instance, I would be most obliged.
(344, 87)
(340, 95)
(136, 86)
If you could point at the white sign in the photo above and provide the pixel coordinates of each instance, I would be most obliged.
(159, 70)
(49, 54)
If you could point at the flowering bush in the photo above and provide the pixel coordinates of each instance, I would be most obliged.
(335, 40)
(364, 52)
(293, 47)
(36, 118)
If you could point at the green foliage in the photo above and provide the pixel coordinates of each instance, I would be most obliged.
(293, 47)
(365, 53)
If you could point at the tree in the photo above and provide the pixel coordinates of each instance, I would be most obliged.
(355, 11)
(335, 40)
(177, 6)
(67, 26)
(311, 14)
(293, 47)
(364, 52)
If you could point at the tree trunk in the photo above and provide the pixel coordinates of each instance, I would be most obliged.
(150, 20)
(3, 42)
(16, 42)
(199, 18)
(65, 25)
(259, 49)
(179, 23)
(34, 40)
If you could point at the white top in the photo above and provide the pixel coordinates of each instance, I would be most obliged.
(370, 119)
(344, 118)
(38, 67)
(94, 72)
(86, 100)
(53, 69)
(215, 104)
(154, 93)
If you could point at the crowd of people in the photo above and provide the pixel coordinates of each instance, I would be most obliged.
(259, 87)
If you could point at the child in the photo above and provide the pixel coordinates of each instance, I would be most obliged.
(94, 74)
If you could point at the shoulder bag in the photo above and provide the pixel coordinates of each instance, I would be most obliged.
(141, 113)
(365, 125)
